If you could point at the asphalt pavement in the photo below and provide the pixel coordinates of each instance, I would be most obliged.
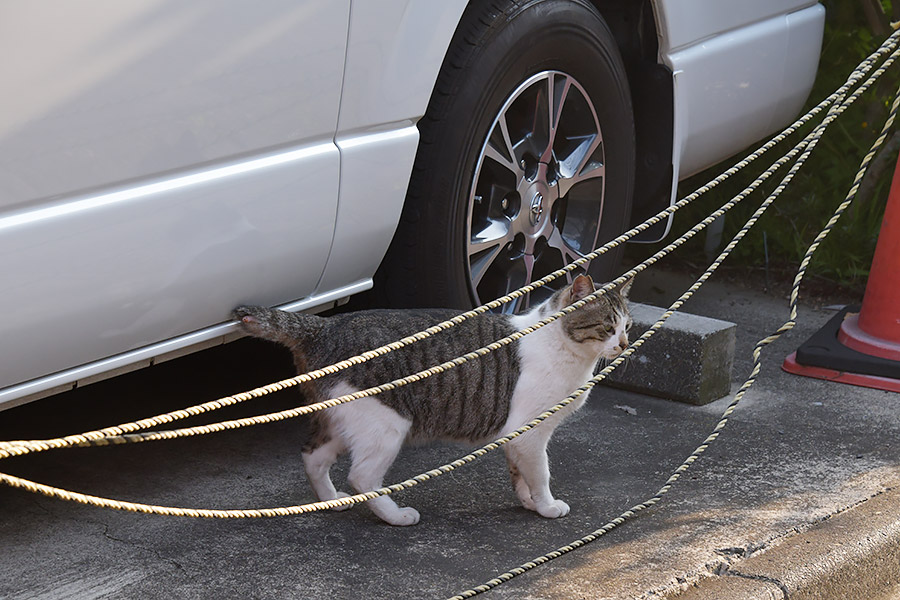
(796, 499)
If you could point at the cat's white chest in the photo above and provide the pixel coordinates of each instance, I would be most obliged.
(549, 372)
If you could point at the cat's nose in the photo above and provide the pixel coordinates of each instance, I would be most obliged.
(623, 343)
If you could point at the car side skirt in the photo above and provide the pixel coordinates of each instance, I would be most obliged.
(158, 353)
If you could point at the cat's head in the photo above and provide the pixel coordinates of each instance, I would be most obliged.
(601, 325)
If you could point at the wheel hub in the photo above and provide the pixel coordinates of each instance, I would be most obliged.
(537, 209)
(535, 220)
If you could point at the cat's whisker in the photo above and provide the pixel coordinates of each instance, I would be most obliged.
(624, 365)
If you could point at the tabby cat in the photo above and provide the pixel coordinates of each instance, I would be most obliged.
(478, 401)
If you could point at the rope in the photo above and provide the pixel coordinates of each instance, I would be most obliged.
(757, 353)
(807, 145)
(117, 434)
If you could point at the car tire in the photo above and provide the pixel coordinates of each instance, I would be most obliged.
(525, 161)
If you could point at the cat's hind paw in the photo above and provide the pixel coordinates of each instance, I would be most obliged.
(346, 506)
(554, 509)
(528, 503)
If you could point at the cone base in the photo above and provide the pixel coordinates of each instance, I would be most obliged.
(822, 356)
(852, 336)
(870, 381)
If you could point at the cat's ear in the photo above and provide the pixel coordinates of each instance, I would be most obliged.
(582, 287)
(625, 287)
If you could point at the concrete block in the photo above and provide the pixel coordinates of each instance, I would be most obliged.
(689, 359)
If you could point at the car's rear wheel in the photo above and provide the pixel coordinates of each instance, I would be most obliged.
(526, 158)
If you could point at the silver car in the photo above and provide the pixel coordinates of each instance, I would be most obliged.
(164, 161)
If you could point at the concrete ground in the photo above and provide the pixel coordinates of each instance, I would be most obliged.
(795, 500)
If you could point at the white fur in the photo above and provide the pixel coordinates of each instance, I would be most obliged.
(374, 434)
(552, 366)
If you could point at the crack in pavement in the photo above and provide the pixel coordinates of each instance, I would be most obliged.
(784, 590)
(154, 551)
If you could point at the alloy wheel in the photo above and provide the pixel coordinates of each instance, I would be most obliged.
(536, 199)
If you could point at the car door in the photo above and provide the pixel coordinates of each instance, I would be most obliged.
(160, 162)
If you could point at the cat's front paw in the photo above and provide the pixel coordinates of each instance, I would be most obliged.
(403, 517)
(554, 509)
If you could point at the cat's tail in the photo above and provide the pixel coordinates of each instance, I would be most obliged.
(277, 325)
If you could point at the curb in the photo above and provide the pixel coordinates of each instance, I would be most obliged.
(852, 554)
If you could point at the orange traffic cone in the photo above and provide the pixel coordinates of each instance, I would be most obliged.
(862, 346)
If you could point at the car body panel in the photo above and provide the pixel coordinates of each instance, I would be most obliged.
(394, 52)
(687, 22)
(127, 268)
(252, 218)
(375, 169)
(154, 353)
(109, 92)
(741, 84)
(151, 167)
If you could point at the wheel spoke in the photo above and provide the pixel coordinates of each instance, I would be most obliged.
(557, 94)
(523, 267)
(500, 148)
(568, 254)
(556, 240)
(497, 233)
(513, 306)
(529, 271)
(484, 248)
(589, 166)
(480, 264)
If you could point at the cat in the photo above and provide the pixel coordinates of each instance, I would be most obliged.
(475, 402)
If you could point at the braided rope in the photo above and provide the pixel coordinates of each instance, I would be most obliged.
(757, 353)
(807, 144)
(117, 434)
